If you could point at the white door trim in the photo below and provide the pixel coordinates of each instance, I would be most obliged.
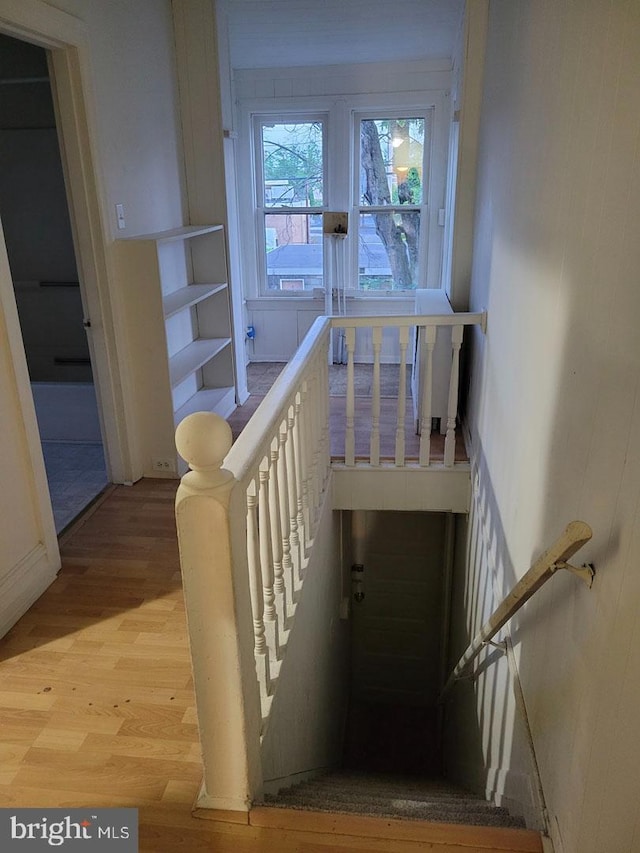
(66, 37)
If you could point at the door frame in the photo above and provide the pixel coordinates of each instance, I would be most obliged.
(66, 39)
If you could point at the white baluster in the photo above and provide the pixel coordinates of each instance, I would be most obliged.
(430, 333)
(294, 538)
(374, 444)
(276, 540)
(325, 457)
(313, 444)
(285, 518)
(307, 457)
(266, 562)
(321, 422)
(301, 485)
(402, 395)
(452, 410)
(255, 587)
(350, 439)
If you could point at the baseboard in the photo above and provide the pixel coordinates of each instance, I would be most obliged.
(504, 787)
(22, 585)
(547, 845)
(226, 809)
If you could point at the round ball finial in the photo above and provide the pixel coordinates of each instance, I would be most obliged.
(203, 439)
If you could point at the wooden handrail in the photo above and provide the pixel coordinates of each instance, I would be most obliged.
(576, 534)
(398, 320)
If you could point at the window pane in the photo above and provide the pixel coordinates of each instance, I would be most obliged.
(391, 156)
(388, 250)
(294, 251)
(292, 164)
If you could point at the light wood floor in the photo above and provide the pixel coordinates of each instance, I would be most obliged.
(262, 375)
(337, 409)
(96, 697)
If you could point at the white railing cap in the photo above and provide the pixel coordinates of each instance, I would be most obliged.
(203, 439)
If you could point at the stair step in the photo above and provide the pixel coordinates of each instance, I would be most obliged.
(409, 792)
(405, 798)
(435, 836)
(417, 811)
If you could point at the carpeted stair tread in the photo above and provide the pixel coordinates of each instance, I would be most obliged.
(410, 792)
(393, 797)
(435, 815)
(384, 800)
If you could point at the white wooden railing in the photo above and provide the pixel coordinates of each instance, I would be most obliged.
(426, 327)
(245, 532)
(247, 516)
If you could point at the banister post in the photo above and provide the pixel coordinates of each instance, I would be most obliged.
(211, 523)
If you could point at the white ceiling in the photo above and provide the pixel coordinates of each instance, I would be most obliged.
(289, 33)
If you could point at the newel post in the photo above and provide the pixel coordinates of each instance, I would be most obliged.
(211, 522)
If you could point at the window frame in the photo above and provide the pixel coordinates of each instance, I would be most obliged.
(261, 210)
(427, 114)
(338, 111)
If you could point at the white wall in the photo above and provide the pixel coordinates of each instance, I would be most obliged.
(307, 717)
(138, 137)
(466, 106)
(554, 414)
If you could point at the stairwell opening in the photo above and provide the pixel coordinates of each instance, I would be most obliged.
(398, 569)
(397, 573)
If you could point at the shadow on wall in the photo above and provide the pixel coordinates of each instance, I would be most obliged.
(485, 740)
(557, 386)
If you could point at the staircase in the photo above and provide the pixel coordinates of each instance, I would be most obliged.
(262, 552)
(391, 810)
(392, 796)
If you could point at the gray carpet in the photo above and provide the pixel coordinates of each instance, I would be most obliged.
(403, 797)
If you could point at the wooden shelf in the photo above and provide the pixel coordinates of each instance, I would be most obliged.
(178, 233)
(180, 329)
(188, 296)
(219, 400)
(193, 356)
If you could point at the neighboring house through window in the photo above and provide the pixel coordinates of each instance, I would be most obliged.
(290, 192)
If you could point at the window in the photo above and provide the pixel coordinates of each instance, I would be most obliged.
(391, 204)
(290, 189)
(380, 173)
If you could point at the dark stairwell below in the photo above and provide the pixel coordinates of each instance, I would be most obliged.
(392, 764)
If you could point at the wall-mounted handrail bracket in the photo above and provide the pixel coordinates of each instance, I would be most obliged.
(473, 675)
(586, 572)
(501, 646)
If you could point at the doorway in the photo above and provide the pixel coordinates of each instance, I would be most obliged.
(35, 217)
(398, 626)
